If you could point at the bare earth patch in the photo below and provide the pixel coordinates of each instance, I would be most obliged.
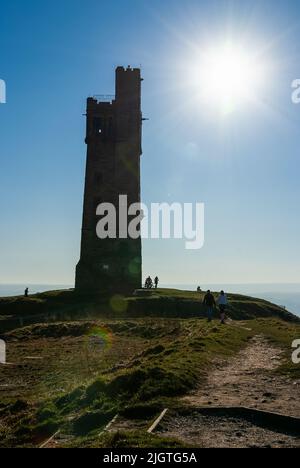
(248, 379)
(224, 432)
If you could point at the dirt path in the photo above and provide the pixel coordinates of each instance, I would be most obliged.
(248, 380)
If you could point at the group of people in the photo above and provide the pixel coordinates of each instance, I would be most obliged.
(209, 300)
(149, 284)
(210, 303)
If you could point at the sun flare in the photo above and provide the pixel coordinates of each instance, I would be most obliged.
(227, 77)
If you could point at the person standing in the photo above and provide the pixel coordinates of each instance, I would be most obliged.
(156, 280)
(26, 292)
(148, 283)
(222, 303)
(210, 303)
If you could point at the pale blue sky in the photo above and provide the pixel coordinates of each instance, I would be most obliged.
(245, 167)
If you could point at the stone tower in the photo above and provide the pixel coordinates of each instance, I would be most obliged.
(113, 138)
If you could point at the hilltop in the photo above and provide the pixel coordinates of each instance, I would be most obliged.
(169, 303)
(73, 365)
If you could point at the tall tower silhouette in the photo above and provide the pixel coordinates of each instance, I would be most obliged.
(113, 138)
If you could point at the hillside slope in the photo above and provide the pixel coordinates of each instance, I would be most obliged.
(76, 373)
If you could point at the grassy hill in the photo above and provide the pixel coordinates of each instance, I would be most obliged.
(171, 303)
(73, 364)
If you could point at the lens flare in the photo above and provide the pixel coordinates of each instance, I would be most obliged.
(134, 266)
(100, 336)
(118, 303)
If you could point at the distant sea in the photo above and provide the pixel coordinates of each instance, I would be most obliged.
(287, 295)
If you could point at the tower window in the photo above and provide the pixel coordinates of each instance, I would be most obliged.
(98, 125)
(103, 126)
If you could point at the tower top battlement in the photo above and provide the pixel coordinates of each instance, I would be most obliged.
(128, 69)
(126, 84)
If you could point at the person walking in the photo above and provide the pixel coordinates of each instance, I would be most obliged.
(222, 303)
(210, 303)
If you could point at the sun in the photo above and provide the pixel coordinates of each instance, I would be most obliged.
(227, 77)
